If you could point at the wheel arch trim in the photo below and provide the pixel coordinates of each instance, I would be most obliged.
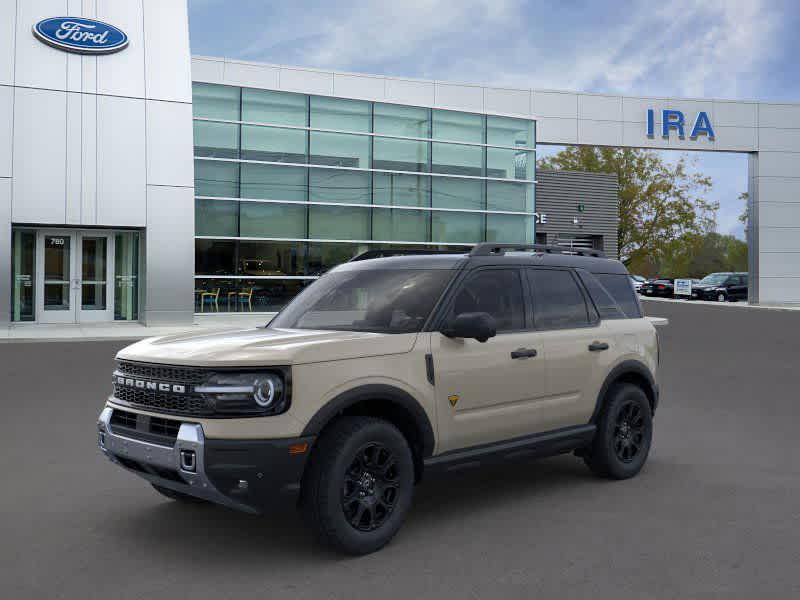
(619, 372)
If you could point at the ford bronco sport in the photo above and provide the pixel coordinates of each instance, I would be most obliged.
(385, 369)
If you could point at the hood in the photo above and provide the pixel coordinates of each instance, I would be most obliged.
(264, 347)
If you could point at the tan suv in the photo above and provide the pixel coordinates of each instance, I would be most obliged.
(385, 369)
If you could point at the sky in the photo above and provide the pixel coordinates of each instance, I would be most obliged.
(732, 49)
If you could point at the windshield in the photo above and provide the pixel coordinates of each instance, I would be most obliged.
(380, 301)
(714, 279)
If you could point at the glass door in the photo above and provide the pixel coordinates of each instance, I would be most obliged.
(94, 291)
(56, 277)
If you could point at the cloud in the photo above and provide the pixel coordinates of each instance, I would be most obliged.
(686, 47)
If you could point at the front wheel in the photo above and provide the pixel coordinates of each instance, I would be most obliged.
(358, 485)
(721, 297)
(624, 434)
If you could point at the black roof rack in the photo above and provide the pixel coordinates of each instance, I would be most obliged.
(489, 248)
(386, 252)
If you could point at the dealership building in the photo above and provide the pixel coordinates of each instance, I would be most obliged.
(139, 183)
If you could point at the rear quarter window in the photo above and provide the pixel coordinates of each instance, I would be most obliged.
(620, 288)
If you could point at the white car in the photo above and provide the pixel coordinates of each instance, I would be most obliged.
(637, 281)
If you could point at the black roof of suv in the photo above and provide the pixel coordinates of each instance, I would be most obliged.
(489, 253)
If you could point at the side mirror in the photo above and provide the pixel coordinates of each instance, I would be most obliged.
(478, 325)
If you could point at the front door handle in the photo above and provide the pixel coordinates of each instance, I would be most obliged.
(523, 353)
(598, 346)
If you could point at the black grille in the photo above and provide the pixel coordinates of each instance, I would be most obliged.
(144, 427)
(186, 403)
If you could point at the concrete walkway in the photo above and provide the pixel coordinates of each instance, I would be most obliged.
(34, 332)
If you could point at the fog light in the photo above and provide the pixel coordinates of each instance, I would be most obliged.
(101, 440)
(188, 462)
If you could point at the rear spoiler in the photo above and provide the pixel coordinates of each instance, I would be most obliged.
(658, 321)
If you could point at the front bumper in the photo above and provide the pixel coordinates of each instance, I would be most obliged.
(246, 475)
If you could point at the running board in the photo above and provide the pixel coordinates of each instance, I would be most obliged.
(539, 445)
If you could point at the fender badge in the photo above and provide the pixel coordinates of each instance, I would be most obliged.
(453, 399)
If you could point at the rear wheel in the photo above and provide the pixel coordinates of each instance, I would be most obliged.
(624, 434)
(179, 496)
(359, 484)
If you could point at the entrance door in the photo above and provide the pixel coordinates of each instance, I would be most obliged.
(73, 273)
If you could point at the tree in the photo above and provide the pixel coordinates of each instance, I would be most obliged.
(659, 202)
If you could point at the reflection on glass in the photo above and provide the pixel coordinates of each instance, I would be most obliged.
(457, 126)
(220, 140)
(457, 159)
(336, 185)
(507, 195)
(273, 182)
(323, 256)
(401, 225)
(339, 150)
(507, 131)
(260, 219)
(216, 217)
(126, 276)
(509, 228)
(509, 164)
(273, 144)
(214, 257)
(281, 108)
(400, 155)
(216, 178)
(56, 272)
(341, 114)
(23, 253)
(271, 259)
(451, 192)
(400, 189)
(457, 227)
(338, 222)
(93, 273)
(406, 121)
(215, 101)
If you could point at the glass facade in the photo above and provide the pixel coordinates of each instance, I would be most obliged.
(289, 185)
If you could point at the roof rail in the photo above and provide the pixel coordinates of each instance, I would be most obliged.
(386, 252)
(489, 248)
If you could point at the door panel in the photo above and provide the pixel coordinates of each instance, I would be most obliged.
(94, 294)
(56, 277)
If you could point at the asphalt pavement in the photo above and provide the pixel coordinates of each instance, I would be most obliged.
(714, 514)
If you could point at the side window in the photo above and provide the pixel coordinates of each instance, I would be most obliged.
(494, 291)
(558, 302)
(607, 307)
(621, 290)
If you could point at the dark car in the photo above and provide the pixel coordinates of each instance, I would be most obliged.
(662, 288)
(722, 287)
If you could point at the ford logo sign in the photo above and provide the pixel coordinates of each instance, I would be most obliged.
(84, 36)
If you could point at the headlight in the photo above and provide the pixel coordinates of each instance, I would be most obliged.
(245, 394)
(720, 289)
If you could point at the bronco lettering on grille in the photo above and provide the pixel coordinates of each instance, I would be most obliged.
(175, 388)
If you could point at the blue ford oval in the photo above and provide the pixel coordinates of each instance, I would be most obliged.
(76, 34)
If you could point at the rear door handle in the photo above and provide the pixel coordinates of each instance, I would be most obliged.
(598, 346)
(523, 353)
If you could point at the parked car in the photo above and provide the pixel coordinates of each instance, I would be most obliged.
(662, 288)
(722, 287)
(638, 281)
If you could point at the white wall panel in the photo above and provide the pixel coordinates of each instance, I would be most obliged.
(36, 64)
(89, 159)
(557, 131)
(779, 189)
(250, 75)
(166, 36)
(779, 115)
(738, 139)
(599, 108)
(781, 140)
(358, 86)
(6, 128)
(779, 214)
(464, 97)
(634, 109)
(777, 239)
(39, 156)
(74, 159)
(507, 102)
(601, 133)
(635, 135)
(555, 104)
(121, 169)
(169, 144)
(208, 70)
(779, 290)
(307, 81)
(122, 73)
(408, 91)
(735, 114)
(8, 23)
(779, 164)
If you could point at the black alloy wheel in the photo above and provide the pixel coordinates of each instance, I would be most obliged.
(629, 431)
(371, 487)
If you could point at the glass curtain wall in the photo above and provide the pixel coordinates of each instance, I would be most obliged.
(290, 185)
